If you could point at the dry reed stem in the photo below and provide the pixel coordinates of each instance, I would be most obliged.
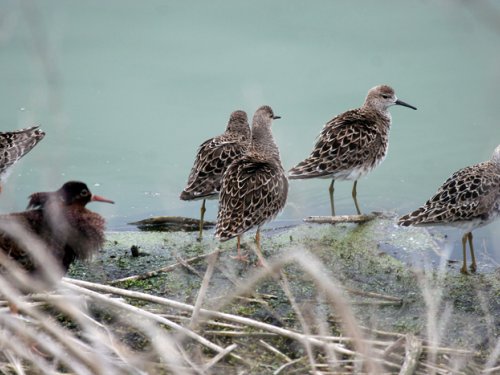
(272, 349)
(219, 356)
(492, 362)
(206, 313)
(286, 365)
(305, 327)
(145, 314)
(203, 290)
(413, 351)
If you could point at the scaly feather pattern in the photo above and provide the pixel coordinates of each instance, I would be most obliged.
(254, 187)
(355, 140)
(213, 157)
(352, 144)
(14, 145)
(468, 199)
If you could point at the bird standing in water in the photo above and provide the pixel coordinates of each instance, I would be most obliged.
(254, 187)
(212, 159)
(469, 199)
(352, 144)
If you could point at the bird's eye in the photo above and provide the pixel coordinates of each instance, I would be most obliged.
(84, 193)
(385, 96)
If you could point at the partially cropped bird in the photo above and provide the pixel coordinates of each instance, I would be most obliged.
(469, 199)
(352, 144)
(254, 187)
(59, 222)
(212, 159)
(14, 145)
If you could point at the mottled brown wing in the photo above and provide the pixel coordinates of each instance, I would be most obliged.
(213, 156)
(468, 194)
(84, 236)
(348, 140)
(253, 192)
(14, 145)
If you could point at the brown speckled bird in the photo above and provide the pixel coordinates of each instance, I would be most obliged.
(14, 145)
(60, 221)
(254, 187)
(469, 199)
(212, 159)
(352, 144)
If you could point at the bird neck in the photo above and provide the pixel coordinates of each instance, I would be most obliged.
(263, 142)
(373, 105)
(240, 130)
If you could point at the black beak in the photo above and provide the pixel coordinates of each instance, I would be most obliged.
(276, 117)
(400, 102)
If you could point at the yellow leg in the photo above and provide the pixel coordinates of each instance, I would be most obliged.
(473, 265)
(241, 257)
(331, 190)
(262, 261)
(354, 195)
(202, 215)
(464, 244)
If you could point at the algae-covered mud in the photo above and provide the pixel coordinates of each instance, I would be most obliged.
(394, 280)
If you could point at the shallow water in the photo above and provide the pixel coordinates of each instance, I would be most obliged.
(127, 90)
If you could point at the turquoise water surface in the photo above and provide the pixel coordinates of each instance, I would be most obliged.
(127, 90)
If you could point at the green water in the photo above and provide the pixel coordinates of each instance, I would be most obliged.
(127, 90)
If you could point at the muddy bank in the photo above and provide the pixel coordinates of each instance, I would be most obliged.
(375, 257)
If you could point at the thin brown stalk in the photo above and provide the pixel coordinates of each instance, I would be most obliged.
(219, 356)
(305, 327)
(272, 349)
(203, 290)
(206, 313)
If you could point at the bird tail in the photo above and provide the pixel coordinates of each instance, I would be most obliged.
(305, 169)
(38, 200)
(413, 218)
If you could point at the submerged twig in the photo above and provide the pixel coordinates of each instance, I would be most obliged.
(168, 268)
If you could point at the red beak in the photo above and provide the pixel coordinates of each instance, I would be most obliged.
(97, 198)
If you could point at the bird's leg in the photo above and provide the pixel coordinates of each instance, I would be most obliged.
(354, 195)
(473, 265)
(202, 215)
(241, 257)
(331, 190)
(262, 261)
(464, 244)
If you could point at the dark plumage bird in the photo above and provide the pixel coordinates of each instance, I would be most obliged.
(212, 159)
(59, 221)
(254, 187)
(14, 145)
(469, 199)
(353, 143)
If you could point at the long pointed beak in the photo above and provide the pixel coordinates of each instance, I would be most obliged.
(97, 198)
(276, 117)
(400, 102)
